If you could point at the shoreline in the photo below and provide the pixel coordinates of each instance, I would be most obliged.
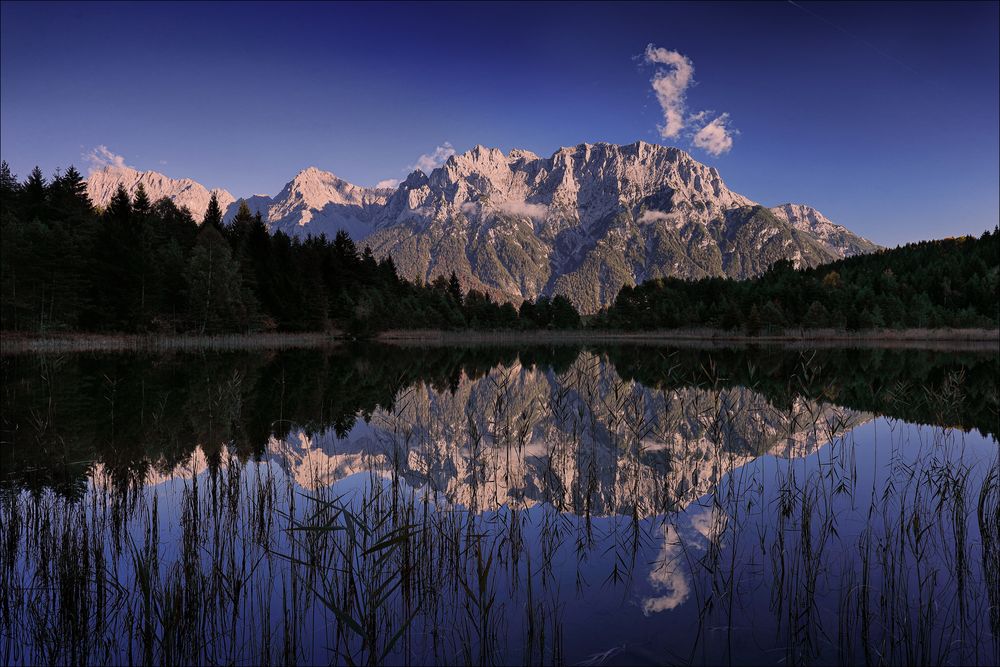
(18, 343)
(943, 339)
(932, 339)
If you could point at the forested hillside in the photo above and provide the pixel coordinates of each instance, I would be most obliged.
(142, 266)
(946, 283)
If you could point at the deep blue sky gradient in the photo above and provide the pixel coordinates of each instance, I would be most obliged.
(883, 116)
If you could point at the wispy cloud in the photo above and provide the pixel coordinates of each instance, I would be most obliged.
(428, 162)
(670, 84)
(388, 183)
(716, 137)
(513, 207)
(655, 216)
(101, 157)
(523, 208)
(673, 75)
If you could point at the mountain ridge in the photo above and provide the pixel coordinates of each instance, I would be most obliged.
(582, 222)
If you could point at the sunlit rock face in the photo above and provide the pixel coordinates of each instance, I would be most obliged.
(838, 239)
(102, 183)
(582, 222)
(584, 441)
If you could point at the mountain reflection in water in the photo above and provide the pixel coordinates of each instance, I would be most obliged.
(608, 505)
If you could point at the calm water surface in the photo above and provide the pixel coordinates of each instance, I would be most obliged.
(598, 506)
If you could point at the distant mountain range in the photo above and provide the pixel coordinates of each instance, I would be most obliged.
(583, 222)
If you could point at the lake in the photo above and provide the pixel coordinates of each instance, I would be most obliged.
(583, 505)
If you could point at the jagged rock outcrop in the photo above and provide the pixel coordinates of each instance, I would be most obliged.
(583, 222)
(838, 239)
(317, 202)
(102, 183)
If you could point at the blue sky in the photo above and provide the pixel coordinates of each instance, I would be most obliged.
(883, 116)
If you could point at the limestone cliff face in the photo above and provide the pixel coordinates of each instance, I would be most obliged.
(582, 222)
(184, 192)
(586, 221)
(840, 240)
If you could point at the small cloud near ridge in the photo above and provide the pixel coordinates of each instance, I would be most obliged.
(716, 137)
(101, 157)
(428, 162)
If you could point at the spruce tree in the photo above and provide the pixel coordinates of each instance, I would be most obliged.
(239, 226)
(8, 181)
(213, 214)
(69, 196)
(455, 289)
(140, 203)
(34, 195)
(119, 209)
(214, 290)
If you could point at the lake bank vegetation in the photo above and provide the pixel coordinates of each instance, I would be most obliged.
(143, 267)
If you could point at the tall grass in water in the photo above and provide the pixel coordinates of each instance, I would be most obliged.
(476, 525)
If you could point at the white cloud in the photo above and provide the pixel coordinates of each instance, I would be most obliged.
(101, 157)
(670, 84)
(654, 216)
(538, 211)
(428, 162)
(388, 183)
(673, 76)
(715, 138)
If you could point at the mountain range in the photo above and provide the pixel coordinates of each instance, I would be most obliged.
(693, 436)
(583, 222)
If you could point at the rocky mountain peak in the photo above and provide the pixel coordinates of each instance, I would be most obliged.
(581, 222)
(841, 241)
(184, 192)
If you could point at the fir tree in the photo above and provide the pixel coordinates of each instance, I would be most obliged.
(213, 214)
(34, 195)
(140, 203)
(455, 289)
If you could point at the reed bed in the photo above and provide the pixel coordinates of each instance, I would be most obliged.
(489, 524)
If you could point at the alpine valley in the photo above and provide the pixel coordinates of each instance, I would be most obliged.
(583, 222)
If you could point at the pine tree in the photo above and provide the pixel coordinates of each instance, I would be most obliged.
(140, 203)
(239, 226)
(8, 181)
(455, 289)
(119, 209)
(817, 316)
(34, 195)
(213, 279)
(69, 196)
(564, 315)
(754, 322)
(213, 214)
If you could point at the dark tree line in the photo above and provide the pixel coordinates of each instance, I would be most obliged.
(947, 283)
(142, 266)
